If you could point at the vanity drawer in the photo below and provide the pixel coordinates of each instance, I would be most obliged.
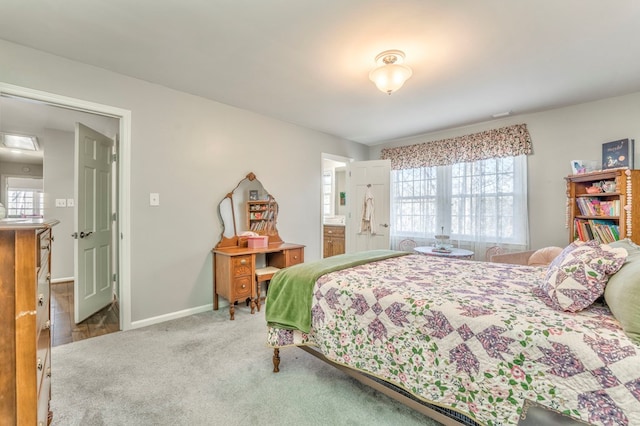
(242, 287)
(295, 256)
(334, 231)
(285, 258)
(241, 265)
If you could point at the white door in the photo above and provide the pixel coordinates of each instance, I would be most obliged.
(93, 218)
(368, 199)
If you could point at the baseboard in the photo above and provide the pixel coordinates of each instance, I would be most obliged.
(172, 316)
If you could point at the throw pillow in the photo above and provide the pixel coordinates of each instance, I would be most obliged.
(580, 276)
(544, 284)
(622, 293)
(544, 256)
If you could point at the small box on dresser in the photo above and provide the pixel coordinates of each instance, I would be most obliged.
(258, 242)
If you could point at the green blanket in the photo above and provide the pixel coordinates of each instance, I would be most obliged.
(290, 290)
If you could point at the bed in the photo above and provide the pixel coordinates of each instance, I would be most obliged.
(468, 340)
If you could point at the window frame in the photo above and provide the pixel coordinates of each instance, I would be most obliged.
(36, 208)
(439, 219)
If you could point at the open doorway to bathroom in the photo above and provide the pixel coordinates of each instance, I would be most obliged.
(334, 205)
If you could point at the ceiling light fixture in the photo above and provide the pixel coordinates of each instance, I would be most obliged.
(21, 142)
(390, 73)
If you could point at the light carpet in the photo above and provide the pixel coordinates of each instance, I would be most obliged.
(206, 370)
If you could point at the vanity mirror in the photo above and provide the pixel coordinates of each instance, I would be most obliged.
(248, 208)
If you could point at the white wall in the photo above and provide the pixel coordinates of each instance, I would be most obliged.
(58, 183)
(558, 136)
(191, 151)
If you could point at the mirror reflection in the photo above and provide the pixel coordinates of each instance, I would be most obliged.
(249, 208)
(226, 216)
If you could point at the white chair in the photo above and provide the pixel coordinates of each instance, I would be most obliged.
(407, 245)
(492, 251)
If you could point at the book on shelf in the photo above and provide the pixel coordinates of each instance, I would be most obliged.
(603, 230)
(591, 206)
(617, 154)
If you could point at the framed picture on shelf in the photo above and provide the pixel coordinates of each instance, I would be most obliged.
(617, 154)
(577, 167)
(253, 195)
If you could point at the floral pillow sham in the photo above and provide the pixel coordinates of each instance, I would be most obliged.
(579, 275)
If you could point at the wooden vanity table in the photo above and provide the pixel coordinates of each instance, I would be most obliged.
(249, 207)
(234, 270)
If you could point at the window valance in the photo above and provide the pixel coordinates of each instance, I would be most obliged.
(507, 141)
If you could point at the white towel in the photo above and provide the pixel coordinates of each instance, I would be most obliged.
(368, 224)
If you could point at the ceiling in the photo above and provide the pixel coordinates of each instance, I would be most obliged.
(307, 62)
(27, 117)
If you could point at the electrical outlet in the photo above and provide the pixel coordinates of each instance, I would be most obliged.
(61, 202)
(71, 202)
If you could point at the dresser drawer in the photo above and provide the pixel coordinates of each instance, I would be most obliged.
(44, 393)
(43, 367)
(44, 279)
(44, 247)
(241, 265)
(42, 310)
(242, 287)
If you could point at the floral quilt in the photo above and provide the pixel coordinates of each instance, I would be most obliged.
(472, 337)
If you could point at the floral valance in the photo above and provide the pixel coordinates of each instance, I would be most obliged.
(507, 141)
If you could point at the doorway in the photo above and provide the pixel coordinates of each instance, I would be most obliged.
(334, 209)
(56, 112)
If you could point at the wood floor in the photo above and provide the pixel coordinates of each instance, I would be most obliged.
(65, 330)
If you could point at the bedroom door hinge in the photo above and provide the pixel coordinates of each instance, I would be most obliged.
(114, 157)
(115, 277)
(114, 216)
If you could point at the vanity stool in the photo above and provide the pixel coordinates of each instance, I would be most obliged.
(264, 274)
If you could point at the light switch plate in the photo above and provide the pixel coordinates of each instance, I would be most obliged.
(154, 199)
(61, 202)
(71, 202)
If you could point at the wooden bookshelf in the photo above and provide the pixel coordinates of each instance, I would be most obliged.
(604, 216)
(262, 216)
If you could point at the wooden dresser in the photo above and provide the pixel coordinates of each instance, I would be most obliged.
(25, 325)
(234, 270)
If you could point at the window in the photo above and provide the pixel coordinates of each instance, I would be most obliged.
(482, 201)
(25, 197)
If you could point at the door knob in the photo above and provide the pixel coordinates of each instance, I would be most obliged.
(82, 234)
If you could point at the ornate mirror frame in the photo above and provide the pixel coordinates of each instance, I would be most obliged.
(237, 219)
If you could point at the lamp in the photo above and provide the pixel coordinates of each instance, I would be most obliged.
(390, 74)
